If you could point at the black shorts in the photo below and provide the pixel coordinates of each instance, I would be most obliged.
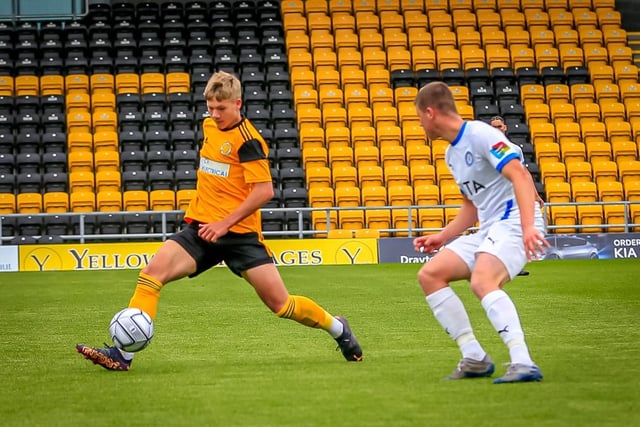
(239, 252)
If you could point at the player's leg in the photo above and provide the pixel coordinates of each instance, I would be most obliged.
(268, 284)
(171, 262)
(500, 258)
(434, 278)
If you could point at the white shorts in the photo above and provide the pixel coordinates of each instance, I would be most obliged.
(503, 239)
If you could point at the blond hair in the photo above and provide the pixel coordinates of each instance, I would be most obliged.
(223, 86)
(438, 96)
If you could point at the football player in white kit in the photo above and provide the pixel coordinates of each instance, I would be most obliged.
(498, 195)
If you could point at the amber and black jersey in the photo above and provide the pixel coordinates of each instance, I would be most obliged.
(231, 161)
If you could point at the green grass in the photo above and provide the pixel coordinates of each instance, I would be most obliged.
(220, 358)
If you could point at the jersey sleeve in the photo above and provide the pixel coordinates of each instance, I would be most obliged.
(253, 158)
(500, 152)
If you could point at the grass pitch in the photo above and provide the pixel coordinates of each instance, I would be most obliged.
(220, 358)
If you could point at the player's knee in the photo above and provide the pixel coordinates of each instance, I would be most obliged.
(428, 279)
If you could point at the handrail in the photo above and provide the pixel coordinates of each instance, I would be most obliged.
(410, 231)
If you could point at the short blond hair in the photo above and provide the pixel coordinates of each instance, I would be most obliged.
(223, 86)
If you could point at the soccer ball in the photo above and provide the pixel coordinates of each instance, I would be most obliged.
(131, 329)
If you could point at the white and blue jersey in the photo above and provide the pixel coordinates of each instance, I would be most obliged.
(476, 158)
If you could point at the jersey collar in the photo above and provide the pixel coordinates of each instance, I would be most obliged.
(457, 139)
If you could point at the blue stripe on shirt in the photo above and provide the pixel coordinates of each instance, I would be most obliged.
(506, 160)
(507, 210)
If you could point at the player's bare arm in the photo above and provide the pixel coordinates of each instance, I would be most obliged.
(534, 241)
(466, 217)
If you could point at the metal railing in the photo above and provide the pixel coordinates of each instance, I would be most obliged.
(164, 221)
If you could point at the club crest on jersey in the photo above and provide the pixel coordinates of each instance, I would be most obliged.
(499, 150)
(225, 148)
(468, 158)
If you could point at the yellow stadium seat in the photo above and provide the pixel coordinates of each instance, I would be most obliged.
(564, 218)
(351, 219)
(338, 136)
(423, 57)
(381, 96)
(567, 38)
(385, 115)
(611, 191)
(389, 135)
(379, 219)
(105, 140)
(345, 176)
(629, 171)
(309, 117)
(464, 18)
(108, 180)
(394, 38)
(439, 18)
(444, 37)
(81, 181)
(497, 57)
(370, 40)
(331, 97)
(104, 121)
(579, 171)
(618, 130)
(396, 175)
(303, 77)
(80, 161)
(374, 195)
(321, 39)
(563, 112)
(584, 191)
(573, 151)
(557, 93)
(567, 131)
(448, 57)
(422, 174)
(591, 218)
(318, 176)
(473, 57)
(135, 200)
(363, 135)
(546, 56)
(7, 203)
(594, 53)
(321, 197)
(377, 77)
(538, 112)
(366, 155)
(558, 192)
(109, 201)
(532, 94)
(347, 196)
(162, 200)
(356, 96)
(340, 155)
(413, 134)
(77, 83)
(27, 203)
(419, 37)
(370, 176)
(127, 83)
(324, 221)
(178, 82)
(624, 149)
(587, 112)
(103, 101)
(106, 160)
(418, 154)
(582, 93)
(553, 172)
(6, 86)
(51, 85)
(324, 59)
(450, 194)
(349, 58)
(604, 170)
(598, 150)
(56, 202)
(314, 156)
(426, 194)
(82, 201)
(392, 155)
(593, 131)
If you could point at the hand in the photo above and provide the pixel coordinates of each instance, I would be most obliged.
(212, 231)
(429, 243)
(534, 243)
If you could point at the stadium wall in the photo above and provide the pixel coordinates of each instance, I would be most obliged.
(107, 256)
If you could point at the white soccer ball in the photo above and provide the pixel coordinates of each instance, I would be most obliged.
(131, 329)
